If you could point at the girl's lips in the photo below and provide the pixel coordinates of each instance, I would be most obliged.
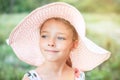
(53, 51)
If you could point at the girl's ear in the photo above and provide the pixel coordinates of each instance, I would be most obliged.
(75, 44)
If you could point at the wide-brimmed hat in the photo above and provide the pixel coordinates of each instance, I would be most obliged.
(24, 39)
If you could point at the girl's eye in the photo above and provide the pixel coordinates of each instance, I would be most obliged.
(44, 36)
(61, 38)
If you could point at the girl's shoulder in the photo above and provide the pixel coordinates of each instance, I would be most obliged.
(81, 76)
(31, 75)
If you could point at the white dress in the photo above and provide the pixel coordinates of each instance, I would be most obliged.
(32, 75)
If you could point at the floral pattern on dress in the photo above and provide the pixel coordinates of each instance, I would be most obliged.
(32, 75)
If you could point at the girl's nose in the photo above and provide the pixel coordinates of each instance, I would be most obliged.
(51, 43)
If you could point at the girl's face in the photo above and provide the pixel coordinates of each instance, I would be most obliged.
(56, 40)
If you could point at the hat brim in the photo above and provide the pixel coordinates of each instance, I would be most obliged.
(88, 55)
(24, 39)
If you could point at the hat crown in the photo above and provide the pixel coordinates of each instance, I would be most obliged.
(65, 11)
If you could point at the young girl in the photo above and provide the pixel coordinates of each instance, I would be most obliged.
(52, 38)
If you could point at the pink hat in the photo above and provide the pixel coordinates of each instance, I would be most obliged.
(24, 39)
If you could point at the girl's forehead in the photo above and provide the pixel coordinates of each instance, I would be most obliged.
(54, 24)
(56, 27)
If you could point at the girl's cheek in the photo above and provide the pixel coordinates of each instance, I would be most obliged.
(63, 45)
(42, 43)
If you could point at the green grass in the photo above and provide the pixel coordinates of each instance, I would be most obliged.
(103, 29)
(11, 68)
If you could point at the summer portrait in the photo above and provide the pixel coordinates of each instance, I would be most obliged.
(59, 40)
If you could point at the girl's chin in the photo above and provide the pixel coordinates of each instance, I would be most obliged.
(52, 59)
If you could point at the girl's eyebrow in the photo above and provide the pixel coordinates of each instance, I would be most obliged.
(59, 33)
(44, 31)
(48, 32)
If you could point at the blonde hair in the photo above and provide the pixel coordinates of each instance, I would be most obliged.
(75, 34)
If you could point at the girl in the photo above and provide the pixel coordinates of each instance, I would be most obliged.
(52, 38)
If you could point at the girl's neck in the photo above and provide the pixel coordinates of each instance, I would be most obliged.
(55, 67)
(60, 71)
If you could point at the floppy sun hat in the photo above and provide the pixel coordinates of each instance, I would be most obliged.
(24, 39)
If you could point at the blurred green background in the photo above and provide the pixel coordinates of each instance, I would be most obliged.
(102, 19)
